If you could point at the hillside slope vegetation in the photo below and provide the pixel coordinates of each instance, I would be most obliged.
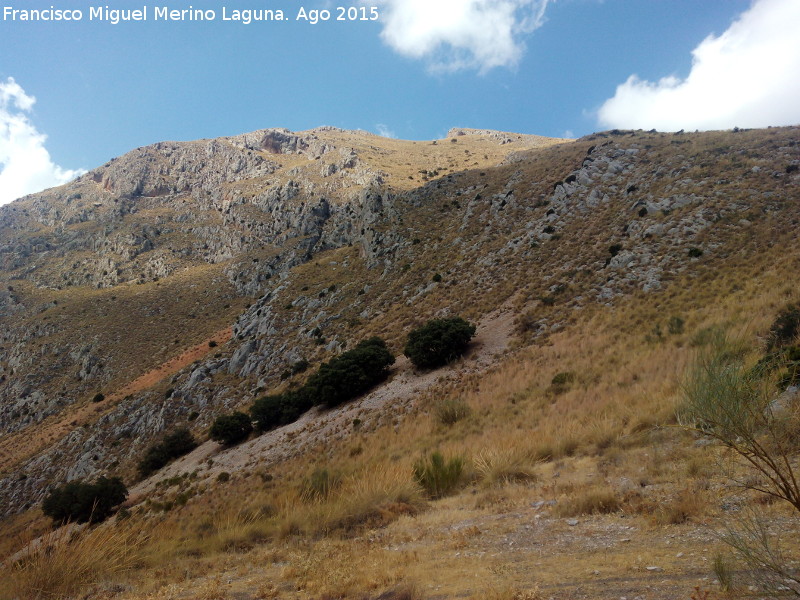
(183, 281)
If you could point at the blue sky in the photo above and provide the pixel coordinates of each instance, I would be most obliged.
(557, 67)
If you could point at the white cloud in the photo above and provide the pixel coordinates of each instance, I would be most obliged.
(25, 164)
(746, 77)
(461, 34)
(384, 131)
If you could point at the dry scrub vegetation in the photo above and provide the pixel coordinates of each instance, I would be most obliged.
(563, 470)
(584, 489)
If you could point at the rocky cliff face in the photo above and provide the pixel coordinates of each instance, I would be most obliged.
(332, 236)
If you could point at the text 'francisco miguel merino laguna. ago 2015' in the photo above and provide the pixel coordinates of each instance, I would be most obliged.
(165, 13)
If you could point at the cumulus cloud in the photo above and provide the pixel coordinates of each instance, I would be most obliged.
(384, 131)
(25, 164)
(461, 34)
(746, 77)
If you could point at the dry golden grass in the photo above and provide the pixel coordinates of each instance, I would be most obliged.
(604, 443)
(502, 465)
(594, 501)
(69, 559)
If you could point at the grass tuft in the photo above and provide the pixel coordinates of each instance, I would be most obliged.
(439, 477)
(498, 466)
(69, 559)
(591, 502)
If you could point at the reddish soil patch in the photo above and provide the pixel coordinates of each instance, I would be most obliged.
(20, 446)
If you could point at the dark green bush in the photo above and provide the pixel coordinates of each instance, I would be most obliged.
(695, 253)
(439, 477)
(84, 502)
(98, 397)
(341, 379)
(231, 429)
(350, 374)
(561, 382)
(174, 445)
(785, 328)
(273, 411)
(438, 342)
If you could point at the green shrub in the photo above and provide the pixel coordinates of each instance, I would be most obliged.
(785, 328)
(349, 374)
(438, 342)
(561, 382)
(98, 397)
(174, 445)
(273, 411)
(231, 429)
(84, 502)
(695, 253)
(439, 477)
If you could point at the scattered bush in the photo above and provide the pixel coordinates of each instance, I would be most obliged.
(438, 342)
(695, 253)
(174, 445)
(341, 379)
(273, 411)
(350, 374)
(84, 502)
(437, 476)
(299, 366)
(231, 429)
(785, 328)
(561, 382)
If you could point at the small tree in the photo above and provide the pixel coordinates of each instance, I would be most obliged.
(273, 411)
(174, 445)
(736, 406)
(231, 429)
(438, 342)
(81, 502)
(733, 404)
(350, 374)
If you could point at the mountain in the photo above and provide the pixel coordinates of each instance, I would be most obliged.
(184, 280)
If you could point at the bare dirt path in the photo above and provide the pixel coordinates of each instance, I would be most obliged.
(324, 426)
(20, 446)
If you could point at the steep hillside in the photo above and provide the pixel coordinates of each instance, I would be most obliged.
(185, 280)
